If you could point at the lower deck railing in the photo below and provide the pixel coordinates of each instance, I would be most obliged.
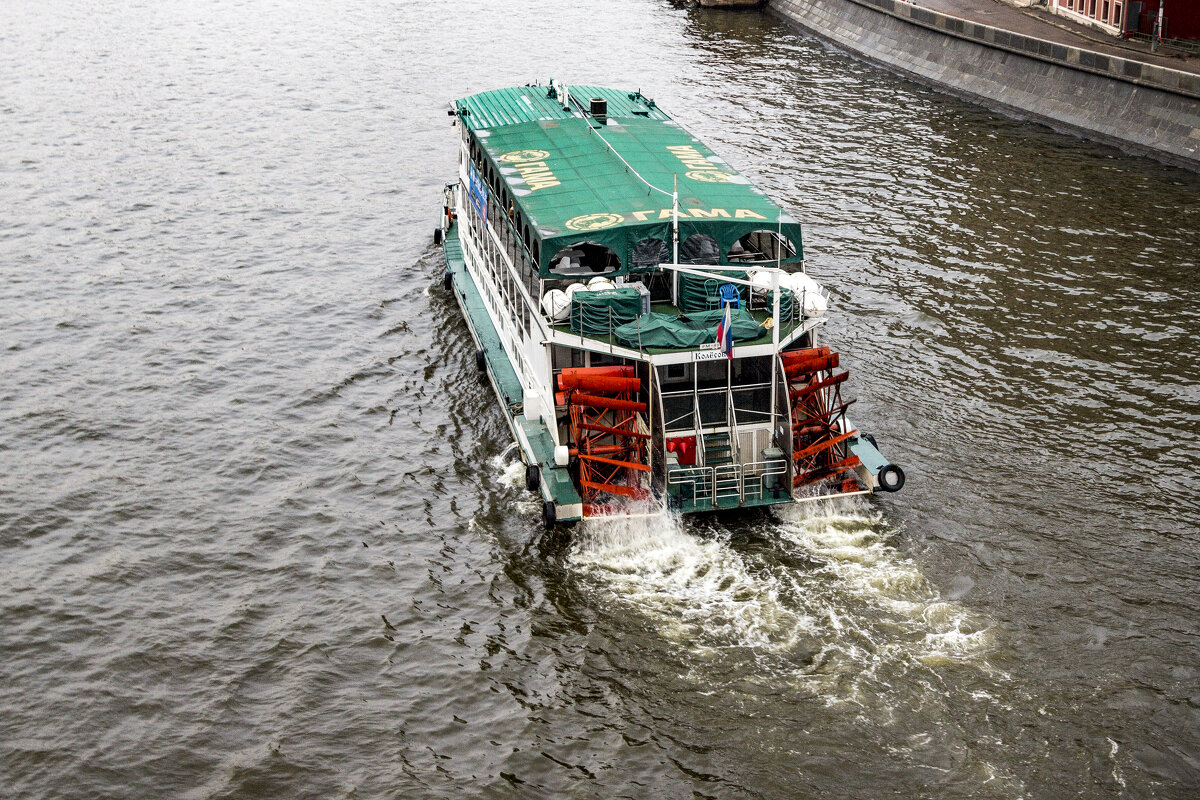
(726, 485)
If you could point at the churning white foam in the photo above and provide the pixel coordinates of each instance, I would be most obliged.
(509, 475)
(881, 590)
(825, 592)
(699, 591)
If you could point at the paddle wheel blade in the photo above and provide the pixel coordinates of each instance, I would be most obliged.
(587, 426)
(604, 402)
(631, 492)
(599, 383)
(609, 438)
(819, 418)
(816, 449)
(824, 473)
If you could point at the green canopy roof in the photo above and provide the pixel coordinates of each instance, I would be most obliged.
(575, 178)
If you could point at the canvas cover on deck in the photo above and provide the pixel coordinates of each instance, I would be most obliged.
(571, 187)
(685, 331)
(597, 313)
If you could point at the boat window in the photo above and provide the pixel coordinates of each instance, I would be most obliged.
(566, 357)
(602, 360)
(751, 370)
(584, 258)
(761, 247)
(699, 248)
(504, 222)
(649, 253)
(712, 374)
(525, 235)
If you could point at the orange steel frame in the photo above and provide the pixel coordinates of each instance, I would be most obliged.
(611, 451)
(818, 414)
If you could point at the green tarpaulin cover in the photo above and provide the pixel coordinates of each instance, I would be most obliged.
(597, 313)
(685, 331)
(700, 294)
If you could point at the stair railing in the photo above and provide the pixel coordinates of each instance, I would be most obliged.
(658, 435)
(707, 474)
(735, 449)
(783, 424)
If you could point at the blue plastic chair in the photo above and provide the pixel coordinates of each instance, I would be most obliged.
(729, 294)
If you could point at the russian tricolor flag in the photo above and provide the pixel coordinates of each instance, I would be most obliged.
(725, 332)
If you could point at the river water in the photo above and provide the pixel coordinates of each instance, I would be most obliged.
(261, 535)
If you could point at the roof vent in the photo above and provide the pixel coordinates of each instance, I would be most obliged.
(599, 108)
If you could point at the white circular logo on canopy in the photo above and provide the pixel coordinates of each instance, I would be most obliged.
(594, 222)
(709, 176)
(517, 156)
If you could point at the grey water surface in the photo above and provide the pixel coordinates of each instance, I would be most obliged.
(261, 536)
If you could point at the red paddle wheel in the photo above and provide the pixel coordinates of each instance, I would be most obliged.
(818, 417)
(605, 434)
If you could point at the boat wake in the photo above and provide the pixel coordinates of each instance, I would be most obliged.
(817, 595)
(699, 591)
(860, 572)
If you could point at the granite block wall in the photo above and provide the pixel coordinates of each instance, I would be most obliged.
(1139, 107)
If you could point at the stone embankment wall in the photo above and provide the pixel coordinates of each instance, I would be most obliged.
(1133, 105)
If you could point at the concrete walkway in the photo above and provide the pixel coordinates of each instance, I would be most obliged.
(1041, 24)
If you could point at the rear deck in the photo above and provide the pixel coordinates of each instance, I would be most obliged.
(609, 341)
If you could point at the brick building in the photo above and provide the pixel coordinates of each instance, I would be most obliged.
(1181, 18)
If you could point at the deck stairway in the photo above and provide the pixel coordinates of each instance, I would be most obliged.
(726, 477)
(717, 449)
(608, 434)
(818, 417)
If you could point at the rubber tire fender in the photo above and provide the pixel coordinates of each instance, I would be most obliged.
(533, 477)
(480, 361)
(549, 514)
(447, 280)
(891, 478)
(437, 235)
(870, 439)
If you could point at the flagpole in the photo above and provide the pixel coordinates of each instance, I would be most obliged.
(675, 216)
(727, 324)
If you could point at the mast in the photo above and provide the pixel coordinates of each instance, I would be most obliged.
(775, 339)
(775, 314)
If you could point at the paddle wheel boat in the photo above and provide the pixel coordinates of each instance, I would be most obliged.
(642, 313)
